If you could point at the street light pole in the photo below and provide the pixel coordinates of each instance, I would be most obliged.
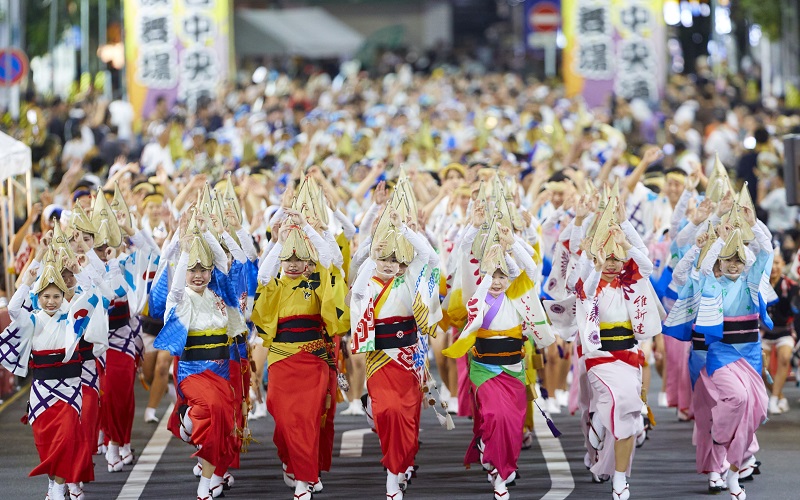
(84, 37)
(51, 43)
(102, 39)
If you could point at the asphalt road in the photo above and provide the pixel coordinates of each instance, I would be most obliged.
(663, 468)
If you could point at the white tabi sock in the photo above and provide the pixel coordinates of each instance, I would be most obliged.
(215, 485)
(619, 480)
(733, 482)
(113, 450)
(75, 490)
(58, 491)
(392, 483)
(187, 421)
(186, 426)
(150, 415)
(171, 391)
(203, 487)
(300, 487)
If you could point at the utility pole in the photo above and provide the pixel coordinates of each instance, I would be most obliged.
(10, 37)
(84, 37)
(51, 43)
(102, 39)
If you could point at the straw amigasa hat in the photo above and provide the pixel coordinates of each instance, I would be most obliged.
(104, 219)
(403, 186)
(386, 231)
(298, 245)
(310, 201)
(60, 243)
(199, 251)
(230, 199)
(51, 274)
(505, 203)
(602, 237)
(204, 200)
(734, 247)
(493, 256)
(712, 237)
(737, 221)
(479, 245)
(607, 197)
(719, 183)
(80, 221)
(404, 251)
(119, 206)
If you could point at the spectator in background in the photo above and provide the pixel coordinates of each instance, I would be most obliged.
(122, 116)
(723, 140)
(75, 148)
(161, 111)
(772, 198)
(157, 153)
(748, 163)
(58, 116)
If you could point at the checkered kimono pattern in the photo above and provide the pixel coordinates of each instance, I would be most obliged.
(89, 375)
(46, 393)
(126, 339)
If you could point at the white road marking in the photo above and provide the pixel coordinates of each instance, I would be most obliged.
(562, 482)
(147, 462)
(353, 442)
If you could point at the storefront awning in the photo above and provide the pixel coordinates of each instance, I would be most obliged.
(307, 32)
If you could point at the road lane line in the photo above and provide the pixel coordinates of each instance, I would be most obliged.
(148, 460)
(21, 392)
(561, 480)
(353, 442)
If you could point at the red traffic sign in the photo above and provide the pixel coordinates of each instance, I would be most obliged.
(13, 66)
(545, 17)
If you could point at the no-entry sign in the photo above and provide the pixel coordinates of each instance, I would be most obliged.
(13, 66)
(544, 17)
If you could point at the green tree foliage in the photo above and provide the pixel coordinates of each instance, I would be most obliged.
(37, 18)
(766, 13)
(37, 21)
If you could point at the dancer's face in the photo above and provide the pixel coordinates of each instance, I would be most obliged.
(732, 268)
(310, 268)
(293, 267)
(401, 269)
(69, 278)
(387, 268)
(778, 265)
(88, 238)
(499, 284)
(197, 278)
(612, 267)
(50, 299)
(557, 198)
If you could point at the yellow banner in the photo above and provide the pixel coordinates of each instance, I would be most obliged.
(614, 46)
(175, 49)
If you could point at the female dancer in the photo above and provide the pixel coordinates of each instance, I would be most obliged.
(387, 309)
(290, 312)
(197, 329)
(616, 308)
(734, 359)
(44, 336)
(502, 312)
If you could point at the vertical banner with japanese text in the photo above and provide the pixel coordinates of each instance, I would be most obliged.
(614, 46)
(176, 49)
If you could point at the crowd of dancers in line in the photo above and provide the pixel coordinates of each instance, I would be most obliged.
(510, 283)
